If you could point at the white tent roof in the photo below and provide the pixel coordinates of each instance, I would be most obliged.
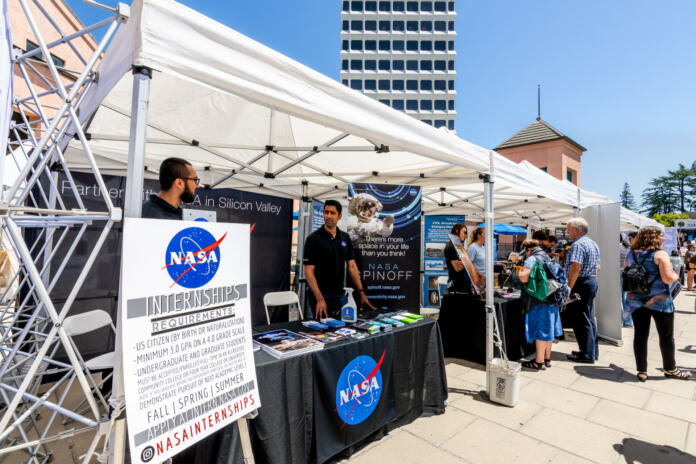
(524, 195)
(250, 118)
(225, 102)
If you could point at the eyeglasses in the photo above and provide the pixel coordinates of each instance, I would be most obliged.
(197, 180)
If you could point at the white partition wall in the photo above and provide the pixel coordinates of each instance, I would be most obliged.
(604, 229)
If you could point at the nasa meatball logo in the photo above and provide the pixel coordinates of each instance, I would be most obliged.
(359, 389)
(193, 257)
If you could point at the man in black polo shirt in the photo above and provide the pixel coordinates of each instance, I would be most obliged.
(326, 252)
(178, 183)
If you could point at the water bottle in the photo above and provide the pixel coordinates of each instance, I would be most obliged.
(349, 311)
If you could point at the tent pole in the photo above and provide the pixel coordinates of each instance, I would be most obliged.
(490, 304)
(132, 208)
(577, 209)
(304, 228)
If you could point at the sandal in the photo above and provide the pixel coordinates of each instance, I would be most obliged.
(642, 376)
(677, 374)
(532, 364)
(547, 362)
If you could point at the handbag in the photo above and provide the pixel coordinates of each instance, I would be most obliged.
(676, 288)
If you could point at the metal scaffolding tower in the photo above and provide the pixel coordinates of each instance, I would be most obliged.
(39, 362)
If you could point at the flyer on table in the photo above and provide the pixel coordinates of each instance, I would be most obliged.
(187, 353)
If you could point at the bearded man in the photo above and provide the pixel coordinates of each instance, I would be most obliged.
(178, 183)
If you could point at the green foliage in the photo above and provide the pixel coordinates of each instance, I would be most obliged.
(671, 193)
(626, 197)
(668, 219)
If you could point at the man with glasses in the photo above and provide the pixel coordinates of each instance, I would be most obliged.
(178, 183)
(582, 268)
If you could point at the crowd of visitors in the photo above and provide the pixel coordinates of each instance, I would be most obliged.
(650, 279)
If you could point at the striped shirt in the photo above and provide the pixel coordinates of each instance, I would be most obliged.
(585, 252)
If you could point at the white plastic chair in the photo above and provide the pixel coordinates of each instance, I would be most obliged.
(84, 323)
(281, 299)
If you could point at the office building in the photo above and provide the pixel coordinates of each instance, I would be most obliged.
(402, 54)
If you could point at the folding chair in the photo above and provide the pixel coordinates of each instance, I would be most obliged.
(281, 299)
(84, 323)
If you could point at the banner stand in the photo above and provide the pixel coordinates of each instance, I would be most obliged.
(243, 427)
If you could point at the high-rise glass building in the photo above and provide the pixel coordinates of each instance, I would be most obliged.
(402, 54)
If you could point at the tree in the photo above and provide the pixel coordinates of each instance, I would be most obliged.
(681, 180)
(668, 219)
(626, 197)
(660, 197)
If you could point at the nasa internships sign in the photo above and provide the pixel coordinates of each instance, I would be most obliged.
(187, 353)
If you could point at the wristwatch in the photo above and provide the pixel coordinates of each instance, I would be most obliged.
(360, 291)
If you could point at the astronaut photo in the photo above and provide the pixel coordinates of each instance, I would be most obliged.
(363, 222)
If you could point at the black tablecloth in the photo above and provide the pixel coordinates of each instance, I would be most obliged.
(463, 326)
(297, 424)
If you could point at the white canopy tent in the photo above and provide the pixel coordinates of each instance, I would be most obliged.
(518, 196)
(249, 118)
(252, 119)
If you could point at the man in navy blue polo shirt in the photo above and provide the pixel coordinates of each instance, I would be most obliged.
(327, 252)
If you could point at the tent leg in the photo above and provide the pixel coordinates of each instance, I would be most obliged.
(132, 208)
(490, 259)
(304, 228)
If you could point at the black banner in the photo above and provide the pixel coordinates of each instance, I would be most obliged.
(384, 223)
(353, 393)
(270, 220)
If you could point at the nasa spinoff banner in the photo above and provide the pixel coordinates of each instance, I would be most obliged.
(383, 222)
(187, 353)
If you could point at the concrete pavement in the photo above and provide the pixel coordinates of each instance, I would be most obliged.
(571, 413)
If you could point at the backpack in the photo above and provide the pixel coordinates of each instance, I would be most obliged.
(547, 282)
(556, 277)
(635, 277)
(537, 285)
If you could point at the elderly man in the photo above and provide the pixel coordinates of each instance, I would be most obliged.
(582, 267)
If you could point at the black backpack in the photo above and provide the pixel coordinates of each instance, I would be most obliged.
(635, 276)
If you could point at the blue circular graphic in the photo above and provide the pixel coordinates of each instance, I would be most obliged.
(192, 257)
(358, 393)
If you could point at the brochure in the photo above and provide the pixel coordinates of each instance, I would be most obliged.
(324, 337)
(284, 344)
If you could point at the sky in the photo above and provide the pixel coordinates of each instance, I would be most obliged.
(618, 77)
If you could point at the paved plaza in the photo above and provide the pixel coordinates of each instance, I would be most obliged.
(571, 413)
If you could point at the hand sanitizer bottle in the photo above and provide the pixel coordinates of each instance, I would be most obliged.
(349, 311)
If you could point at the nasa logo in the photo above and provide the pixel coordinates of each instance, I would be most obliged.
(192, 257)
(343, 244)
(358, 389)
(413, 192)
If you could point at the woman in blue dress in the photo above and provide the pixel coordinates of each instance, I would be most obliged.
(657, 304)
(543, 318)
